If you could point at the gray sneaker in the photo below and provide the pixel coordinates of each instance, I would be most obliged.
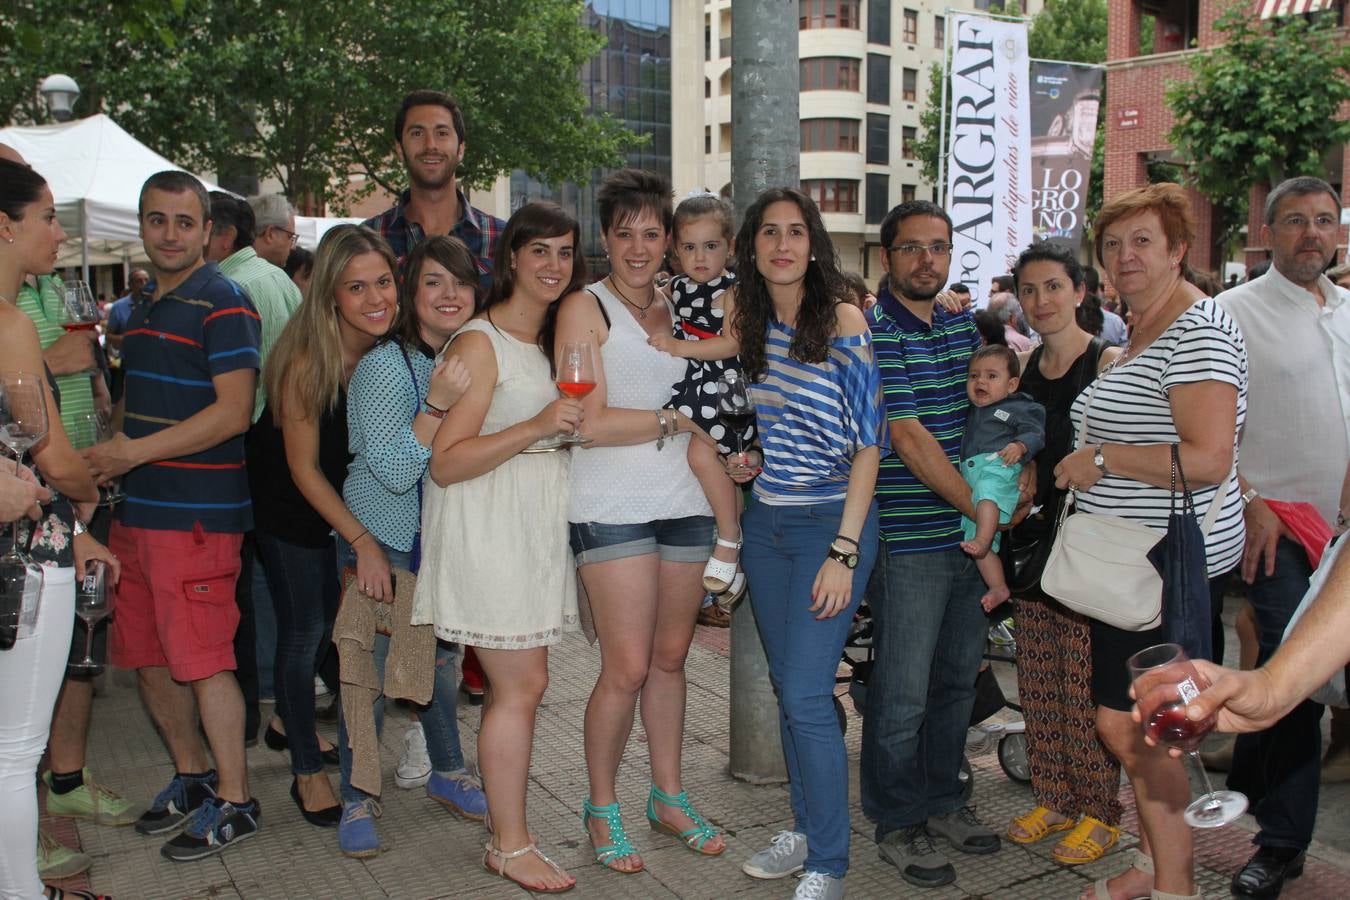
(785, 855)
(964, 831)
(819, 886)
(911, 851)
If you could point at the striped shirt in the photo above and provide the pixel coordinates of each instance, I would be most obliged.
(172, 349)
(923, 374)
(46, 306)
(813, 418)
(1130, 406)
(475, 228)
(275, 297)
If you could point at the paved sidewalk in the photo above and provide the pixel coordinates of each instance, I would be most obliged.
(432, 854)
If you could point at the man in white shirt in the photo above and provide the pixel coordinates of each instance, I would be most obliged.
(1295, 447)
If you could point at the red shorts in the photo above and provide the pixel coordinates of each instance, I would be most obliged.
(175, 602)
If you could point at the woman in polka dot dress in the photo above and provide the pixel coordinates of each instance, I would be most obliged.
(703, 299)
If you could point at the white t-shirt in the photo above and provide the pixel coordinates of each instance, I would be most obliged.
(1297, 440)
(1131, 406)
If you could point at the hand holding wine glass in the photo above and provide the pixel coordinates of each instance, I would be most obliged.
(575, 378)
(735, 411)
(1165, 683)
(93, 603)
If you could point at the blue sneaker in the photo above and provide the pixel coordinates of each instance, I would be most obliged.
(460, 792)
(213, 827)
(356, 831)
(172, 806)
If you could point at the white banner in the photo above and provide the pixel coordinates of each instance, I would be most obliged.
(989, 163)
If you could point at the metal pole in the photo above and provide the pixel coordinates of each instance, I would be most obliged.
(942, 122)
(84, 245)
(765, 143)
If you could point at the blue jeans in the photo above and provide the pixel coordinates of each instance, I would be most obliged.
(303, 585)
(784, 549)
(265, 632)
(438, 718)
(929, 634)
(1280, 769)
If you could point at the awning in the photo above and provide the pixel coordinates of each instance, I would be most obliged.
(1271, 9)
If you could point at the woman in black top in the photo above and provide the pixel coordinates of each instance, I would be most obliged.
(297, 462)
(1074, 779)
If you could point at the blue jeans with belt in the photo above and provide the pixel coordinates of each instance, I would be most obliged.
(1280, 769)
(439, 720)
(784, 549)
(929, 632)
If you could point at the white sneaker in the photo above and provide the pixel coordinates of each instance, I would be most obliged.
(819, 886)
(414, 768)
(785, 855)
(320, 689)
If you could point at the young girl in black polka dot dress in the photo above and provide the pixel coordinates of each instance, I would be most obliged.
(704, 299)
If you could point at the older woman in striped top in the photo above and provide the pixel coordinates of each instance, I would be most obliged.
(811, 528)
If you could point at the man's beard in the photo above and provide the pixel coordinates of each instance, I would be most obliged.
(908, 291)
(429, 184)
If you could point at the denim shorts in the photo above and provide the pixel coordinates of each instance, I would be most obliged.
(677, 540)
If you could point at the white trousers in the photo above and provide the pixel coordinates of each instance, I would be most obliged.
(30, 678)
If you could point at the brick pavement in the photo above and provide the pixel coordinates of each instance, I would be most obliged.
(431, 854)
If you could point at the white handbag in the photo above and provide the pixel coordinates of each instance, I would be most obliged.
(1099, 564)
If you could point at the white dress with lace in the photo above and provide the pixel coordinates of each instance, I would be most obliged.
(497, 570)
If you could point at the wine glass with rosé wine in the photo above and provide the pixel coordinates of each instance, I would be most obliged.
(575, 378)
(1165, 683)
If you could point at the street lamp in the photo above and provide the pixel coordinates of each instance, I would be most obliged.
(60, 92)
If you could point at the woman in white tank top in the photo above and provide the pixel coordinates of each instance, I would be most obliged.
(641, 527)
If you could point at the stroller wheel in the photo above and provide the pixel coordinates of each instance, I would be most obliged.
(967, 780)
(1012, 756)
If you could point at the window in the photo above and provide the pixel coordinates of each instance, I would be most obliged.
(833, 195)
(707, 139)
(707, 38)
(906, 193)
(826, 135)
(879, 22)
(878, 197)
(909, 85)
(830, 73)
(939, 33)
(828, 14)
(911, 26)
(724, 139)
(707, 87)
(908, 136)
(878, 78)
(878, 139)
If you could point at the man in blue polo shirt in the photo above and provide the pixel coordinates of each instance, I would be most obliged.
(925, 591)
(191, 361)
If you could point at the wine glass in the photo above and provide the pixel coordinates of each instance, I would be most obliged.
(88, 429)
(735, 411)
(575, 378)
(1165, 683)
(23, 423)
(82, 313)
(93, 603)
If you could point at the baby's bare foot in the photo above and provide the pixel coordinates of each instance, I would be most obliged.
(993, 597)
(977, 548)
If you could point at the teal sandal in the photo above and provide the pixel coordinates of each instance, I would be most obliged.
(619, 845)
(695, 838)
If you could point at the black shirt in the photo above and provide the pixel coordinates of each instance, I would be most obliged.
(279, 509)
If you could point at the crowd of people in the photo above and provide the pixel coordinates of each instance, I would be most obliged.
(438, 437)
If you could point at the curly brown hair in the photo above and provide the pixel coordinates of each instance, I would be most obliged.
(824, 287)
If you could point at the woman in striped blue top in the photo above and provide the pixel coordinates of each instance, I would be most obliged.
(811, 529)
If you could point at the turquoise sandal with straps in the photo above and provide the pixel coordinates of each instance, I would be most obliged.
(619, 845)
(695, 838)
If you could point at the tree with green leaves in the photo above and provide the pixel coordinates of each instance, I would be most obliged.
(305, 90)
(1260, 107)
(1066, 30)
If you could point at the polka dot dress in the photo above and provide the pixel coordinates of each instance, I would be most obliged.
(696, 395)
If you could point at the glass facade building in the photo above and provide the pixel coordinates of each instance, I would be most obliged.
(630, 80)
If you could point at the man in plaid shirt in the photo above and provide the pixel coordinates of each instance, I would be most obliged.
(429, 138)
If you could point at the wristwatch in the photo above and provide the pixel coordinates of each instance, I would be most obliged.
(1248, 496)
(850, 560)
(79, 528)
(1098, 459)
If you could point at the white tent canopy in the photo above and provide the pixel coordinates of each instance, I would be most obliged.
(95, 170)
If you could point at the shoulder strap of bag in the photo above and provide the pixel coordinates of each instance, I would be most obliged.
(415, 557)
(604, 313)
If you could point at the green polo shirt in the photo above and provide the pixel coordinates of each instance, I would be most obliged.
(274, 296)
(46, 306)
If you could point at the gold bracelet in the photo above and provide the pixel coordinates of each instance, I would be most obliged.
(660, 430)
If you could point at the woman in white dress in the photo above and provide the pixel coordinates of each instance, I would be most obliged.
(496, 572)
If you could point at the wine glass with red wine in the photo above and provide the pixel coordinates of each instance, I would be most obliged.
(575, 378)
(736, 412)
(1165, 683)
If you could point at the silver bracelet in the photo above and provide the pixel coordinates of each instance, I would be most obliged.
(660, 430)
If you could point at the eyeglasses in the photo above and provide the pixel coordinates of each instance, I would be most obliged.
(295, 238)
(937, 249)
(1300, 223)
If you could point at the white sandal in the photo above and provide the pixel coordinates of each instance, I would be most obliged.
(728, 600)
(719, 575)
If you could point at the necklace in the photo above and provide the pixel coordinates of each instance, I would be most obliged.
(641, 310)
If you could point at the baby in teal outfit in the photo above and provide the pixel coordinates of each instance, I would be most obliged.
(1003, 429)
